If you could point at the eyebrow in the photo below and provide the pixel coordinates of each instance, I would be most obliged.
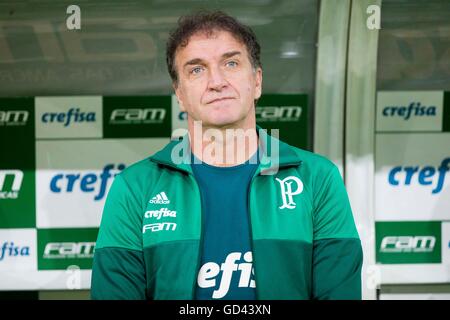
(230, 54)
(201, 61)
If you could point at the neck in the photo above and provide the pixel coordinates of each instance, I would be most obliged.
(224, 146)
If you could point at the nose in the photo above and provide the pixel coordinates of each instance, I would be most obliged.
(216, 80)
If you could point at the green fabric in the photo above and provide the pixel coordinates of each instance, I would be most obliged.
(337, 269)
(119, 275)
(311, 250)
(172, 269)
(332, 215)
(121, 223)
(283, 269)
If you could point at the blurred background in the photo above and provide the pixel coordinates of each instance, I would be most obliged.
(364, 82)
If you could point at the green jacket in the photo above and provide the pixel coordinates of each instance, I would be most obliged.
(304, 240)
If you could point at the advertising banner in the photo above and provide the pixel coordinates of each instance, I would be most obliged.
(412, 186)
(59, 157)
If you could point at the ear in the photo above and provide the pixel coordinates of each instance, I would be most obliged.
(179, 95)
(258, 83)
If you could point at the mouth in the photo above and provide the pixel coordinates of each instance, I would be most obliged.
(219, 99)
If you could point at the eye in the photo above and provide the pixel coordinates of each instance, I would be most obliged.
(232, 63)
(196, 70)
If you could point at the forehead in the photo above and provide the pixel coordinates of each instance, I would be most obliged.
(202, 45)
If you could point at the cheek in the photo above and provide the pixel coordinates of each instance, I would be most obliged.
(192, 95)
(196, 91)
(244, 85)
(250, 88)
(250, 84)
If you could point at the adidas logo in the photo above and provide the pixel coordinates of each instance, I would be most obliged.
(160, 198)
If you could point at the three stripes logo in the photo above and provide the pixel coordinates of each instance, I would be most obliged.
(160, 198)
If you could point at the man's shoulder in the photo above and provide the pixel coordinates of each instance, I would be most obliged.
(311, 161)
(140, 172)
(147, 165)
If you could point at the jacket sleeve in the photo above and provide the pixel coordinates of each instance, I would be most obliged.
(337, 252)
(118, 270)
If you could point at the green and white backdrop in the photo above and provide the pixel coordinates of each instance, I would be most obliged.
(375, 102)
(412, 186)
(58, 159)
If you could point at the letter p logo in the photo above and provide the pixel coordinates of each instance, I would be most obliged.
(287, 192)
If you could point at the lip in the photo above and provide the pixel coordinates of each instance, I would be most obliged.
(219, 99)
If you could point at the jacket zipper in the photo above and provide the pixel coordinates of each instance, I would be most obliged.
(251, 230)
(200, 250)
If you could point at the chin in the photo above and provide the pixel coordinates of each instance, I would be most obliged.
(221, 120)
(221, 123)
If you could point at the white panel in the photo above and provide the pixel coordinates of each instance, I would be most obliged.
(409, 110)
(68, 117)
(421, 171)
(48, 280)
(72, 180)
(18, 250)
(414, 273)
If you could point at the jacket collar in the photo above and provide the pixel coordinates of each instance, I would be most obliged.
(177, 154)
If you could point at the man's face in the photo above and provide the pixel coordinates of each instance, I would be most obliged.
(216, 81)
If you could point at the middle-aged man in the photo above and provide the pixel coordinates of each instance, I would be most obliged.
(215, 216)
